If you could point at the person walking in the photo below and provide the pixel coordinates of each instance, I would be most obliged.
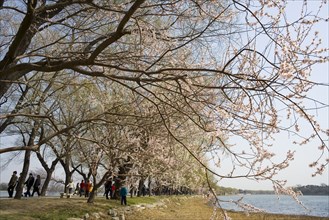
(77, 189)
(123, 194)
(113, 192)
(87, 188)
(12, 183)
(143, 190)
(70, 186)
(108, 188)
(82, 187)
(29, 183)
(36, 186)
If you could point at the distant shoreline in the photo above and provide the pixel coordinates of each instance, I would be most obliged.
(313, 190)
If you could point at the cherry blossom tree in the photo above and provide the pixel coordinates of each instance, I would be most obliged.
(227, 68)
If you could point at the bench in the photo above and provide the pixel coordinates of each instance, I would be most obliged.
(67, 195)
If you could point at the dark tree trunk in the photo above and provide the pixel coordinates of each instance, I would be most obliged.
(96, 186)
(23, 175)
(68, 177)
(48, 170)
(27, 158)
(68, 174)
(91, 197)
(140, 187)
(92, 194)
(120, 180)
(27, 30)
(46, 182)
(65, 162)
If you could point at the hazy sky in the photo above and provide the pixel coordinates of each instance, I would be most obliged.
(297, 173)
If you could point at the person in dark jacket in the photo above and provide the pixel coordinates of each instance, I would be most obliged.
(108, 188)
(36, 186)
(77, 189)
(12, 184)
(29, 183)
(82, 188)
(123, 194)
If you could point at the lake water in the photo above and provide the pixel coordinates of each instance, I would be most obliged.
(4, 194)
(316, 205)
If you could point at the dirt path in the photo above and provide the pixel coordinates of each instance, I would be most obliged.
(179, 208)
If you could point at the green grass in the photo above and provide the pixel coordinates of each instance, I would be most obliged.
(143, 200)
(56, 208)
(51, 208)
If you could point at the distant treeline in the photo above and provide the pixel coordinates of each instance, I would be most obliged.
(226, 190)
(256, 192)
(234, 191)
(323, 189)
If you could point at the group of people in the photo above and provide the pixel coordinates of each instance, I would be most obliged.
(84, 188)
(30, 182)
(110, 190)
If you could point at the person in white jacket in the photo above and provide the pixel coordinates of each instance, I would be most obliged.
(70, 186)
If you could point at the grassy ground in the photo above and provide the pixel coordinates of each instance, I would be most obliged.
(56, 208)
(181, 208)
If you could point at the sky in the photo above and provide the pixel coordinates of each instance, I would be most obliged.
(298, 173)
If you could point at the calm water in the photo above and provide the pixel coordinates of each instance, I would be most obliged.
(4, 194)
(316, 205)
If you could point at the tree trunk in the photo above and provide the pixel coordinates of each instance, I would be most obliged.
(96, 186)
(118, 181)
(117, 184)
(48, 170)
(23, 175)
(46, 182)
(91, 197)
(68, 174)
(67, 180)
(140, 187)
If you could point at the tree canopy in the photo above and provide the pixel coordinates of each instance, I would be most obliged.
(142, 87)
